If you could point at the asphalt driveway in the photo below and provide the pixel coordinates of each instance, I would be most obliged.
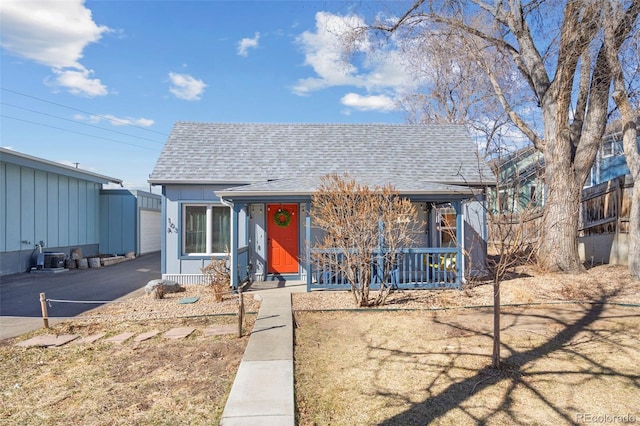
(20, 293)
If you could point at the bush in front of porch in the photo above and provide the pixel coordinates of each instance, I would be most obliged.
(364, 230)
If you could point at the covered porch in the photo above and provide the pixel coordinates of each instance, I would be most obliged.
(436, 261)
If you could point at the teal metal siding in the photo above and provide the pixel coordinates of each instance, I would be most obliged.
(39, 206)
(27, 205)
(73, 212)
(53, 210)
(118, 224)
(12, 185)
(93, 212)
(43, 204)
(3, 206)
(63, 204)
(82, 211)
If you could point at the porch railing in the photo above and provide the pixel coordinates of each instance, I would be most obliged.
(416, 268)
(243, 264)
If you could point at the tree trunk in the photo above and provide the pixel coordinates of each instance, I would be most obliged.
(559, 245)
(634, 232)
(495, 357)
(559, 234)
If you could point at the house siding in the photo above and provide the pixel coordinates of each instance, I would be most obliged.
(225, 148)
(38, 205)
(173, 261)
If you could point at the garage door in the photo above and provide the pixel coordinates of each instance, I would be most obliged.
(149, 231)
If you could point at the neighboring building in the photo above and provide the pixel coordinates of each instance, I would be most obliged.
(610, 161)
(130, 221)
(520, 182)
(244, 190)
(606, 197)
(48, 205)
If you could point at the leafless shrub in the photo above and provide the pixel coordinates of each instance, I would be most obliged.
(218, 277)
(366, 227)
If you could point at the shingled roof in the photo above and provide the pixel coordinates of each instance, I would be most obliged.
(247, 153)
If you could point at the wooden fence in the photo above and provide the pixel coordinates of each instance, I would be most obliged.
(506, 228)
(606, 207)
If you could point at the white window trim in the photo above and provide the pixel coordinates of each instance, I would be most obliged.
(209, 230)
(614, 148)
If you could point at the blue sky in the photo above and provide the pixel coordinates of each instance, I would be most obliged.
(101, 83)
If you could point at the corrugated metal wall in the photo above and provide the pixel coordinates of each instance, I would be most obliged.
(40, 206)
(120, 219)
(37, 206)
(118, 223)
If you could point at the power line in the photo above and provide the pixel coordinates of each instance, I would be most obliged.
(82, 111)
(78, 133)
(79, 122)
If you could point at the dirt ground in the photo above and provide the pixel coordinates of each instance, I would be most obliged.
(574, 359)
(423, 358)
(158, 381)
(560, 364)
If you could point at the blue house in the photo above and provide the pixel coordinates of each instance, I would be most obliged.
(520, 182)
(46, 206)
(225, 187)
(610, 161)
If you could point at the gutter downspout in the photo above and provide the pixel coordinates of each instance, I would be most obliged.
(233, 250)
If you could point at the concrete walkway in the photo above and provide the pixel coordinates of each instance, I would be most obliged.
(262, 393)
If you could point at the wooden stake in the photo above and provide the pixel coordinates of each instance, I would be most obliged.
(240, 311)
(43, 306)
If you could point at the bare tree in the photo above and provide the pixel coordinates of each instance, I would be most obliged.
(452, 90)
(512, 244)
(622, 94)
(363, 231)
(567, 74)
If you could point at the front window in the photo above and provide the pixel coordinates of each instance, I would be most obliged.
(447, 226)
(206, 229)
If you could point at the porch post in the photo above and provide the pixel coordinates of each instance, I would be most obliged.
(460, 239)
(307, 238)
(233, 255)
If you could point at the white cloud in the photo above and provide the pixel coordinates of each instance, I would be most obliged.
(368, 103)
(248, 43)
(116, 121)
(54, 34)
(323, 51)
(383, 72)
(186, 87)
(79, 82)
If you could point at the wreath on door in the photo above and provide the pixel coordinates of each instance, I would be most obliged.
(282, 218)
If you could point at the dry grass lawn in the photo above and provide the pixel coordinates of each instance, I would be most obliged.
(564, 362)
(155, 382)
(422, 361)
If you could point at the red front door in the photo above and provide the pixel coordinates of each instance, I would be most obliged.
(282, 238)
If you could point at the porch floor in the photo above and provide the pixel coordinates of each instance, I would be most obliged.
(291, 286)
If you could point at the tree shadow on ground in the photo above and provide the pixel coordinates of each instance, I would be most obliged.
(515, 366)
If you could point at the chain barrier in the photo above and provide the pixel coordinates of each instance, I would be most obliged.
(241, 312)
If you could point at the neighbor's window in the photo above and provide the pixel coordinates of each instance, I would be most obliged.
(206, 229)
(611, 147)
